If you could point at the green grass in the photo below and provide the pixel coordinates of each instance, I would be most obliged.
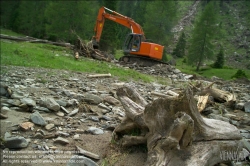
(54, 57)
(208, 72)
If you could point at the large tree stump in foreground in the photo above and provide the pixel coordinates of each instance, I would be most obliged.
(174, 130)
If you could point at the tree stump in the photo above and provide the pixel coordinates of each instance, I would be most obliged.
(174, 130)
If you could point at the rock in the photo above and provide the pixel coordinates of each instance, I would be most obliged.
(26, 126)
(62, 103)
(5, 109)
(42, 109)
(50, 103)
(95, 131)
(187, 77)
(15, 142)
(3, 90)
(246, 144)
(14, 102)
(49, 126)
(218, 117)
(38, 136)
(245, 135)
(72, 102)
(247, 107)
(28, 102)
(76, 137)
(37, 119)
(2, 116)
(176, 71)
(111, 100)
(93, 99)
(239, 106)
(19, 95)
(74, 112)
(61, 114)
(61, 140)
(63, 134)
(94, 118)
(106, 118)
(69, 93)
(80, 161)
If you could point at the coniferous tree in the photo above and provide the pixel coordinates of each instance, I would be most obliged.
(66, 17)
(179, 50)
(9, 14)
(204, 31)
(219, 63)
(159, 20)
(31, 18)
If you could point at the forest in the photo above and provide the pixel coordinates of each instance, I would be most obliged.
(62, 20)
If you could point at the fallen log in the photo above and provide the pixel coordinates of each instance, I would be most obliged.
(174, 130)
(35, 40)
(217, 94)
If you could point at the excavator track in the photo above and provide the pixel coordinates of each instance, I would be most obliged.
(140, 60)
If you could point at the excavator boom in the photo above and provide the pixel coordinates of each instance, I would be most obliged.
(116, 17)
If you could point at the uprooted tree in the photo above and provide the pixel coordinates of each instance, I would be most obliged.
(174, 130)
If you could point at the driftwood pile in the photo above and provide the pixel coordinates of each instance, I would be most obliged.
(173, 129)
(86, 49)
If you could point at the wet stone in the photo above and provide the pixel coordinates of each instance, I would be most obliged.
(247, 107)
(61, 140)
(62, 103)
(93, 99)
(26, 126)
(37, 119)
(50, 103)
(18, 95)
(94, 118)
(14, 102)
(42, 109)
(61, 114)
(38, 136)
(95, 131)
(49, 126)
(15, 142)
(28, 102)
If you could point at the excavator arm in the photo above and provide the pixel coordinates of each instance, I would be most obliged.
(116, 17)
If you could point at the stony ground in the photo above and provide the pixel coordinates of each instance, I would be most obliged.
(49, 114)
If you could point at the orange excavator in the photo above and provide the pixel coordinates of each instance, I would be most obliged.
(136, 48)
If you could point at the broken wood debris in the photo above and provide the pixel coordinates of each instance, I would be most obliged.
(99, 75)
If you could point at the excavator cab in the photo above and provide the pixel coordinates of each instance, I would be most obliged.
(132, 43)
